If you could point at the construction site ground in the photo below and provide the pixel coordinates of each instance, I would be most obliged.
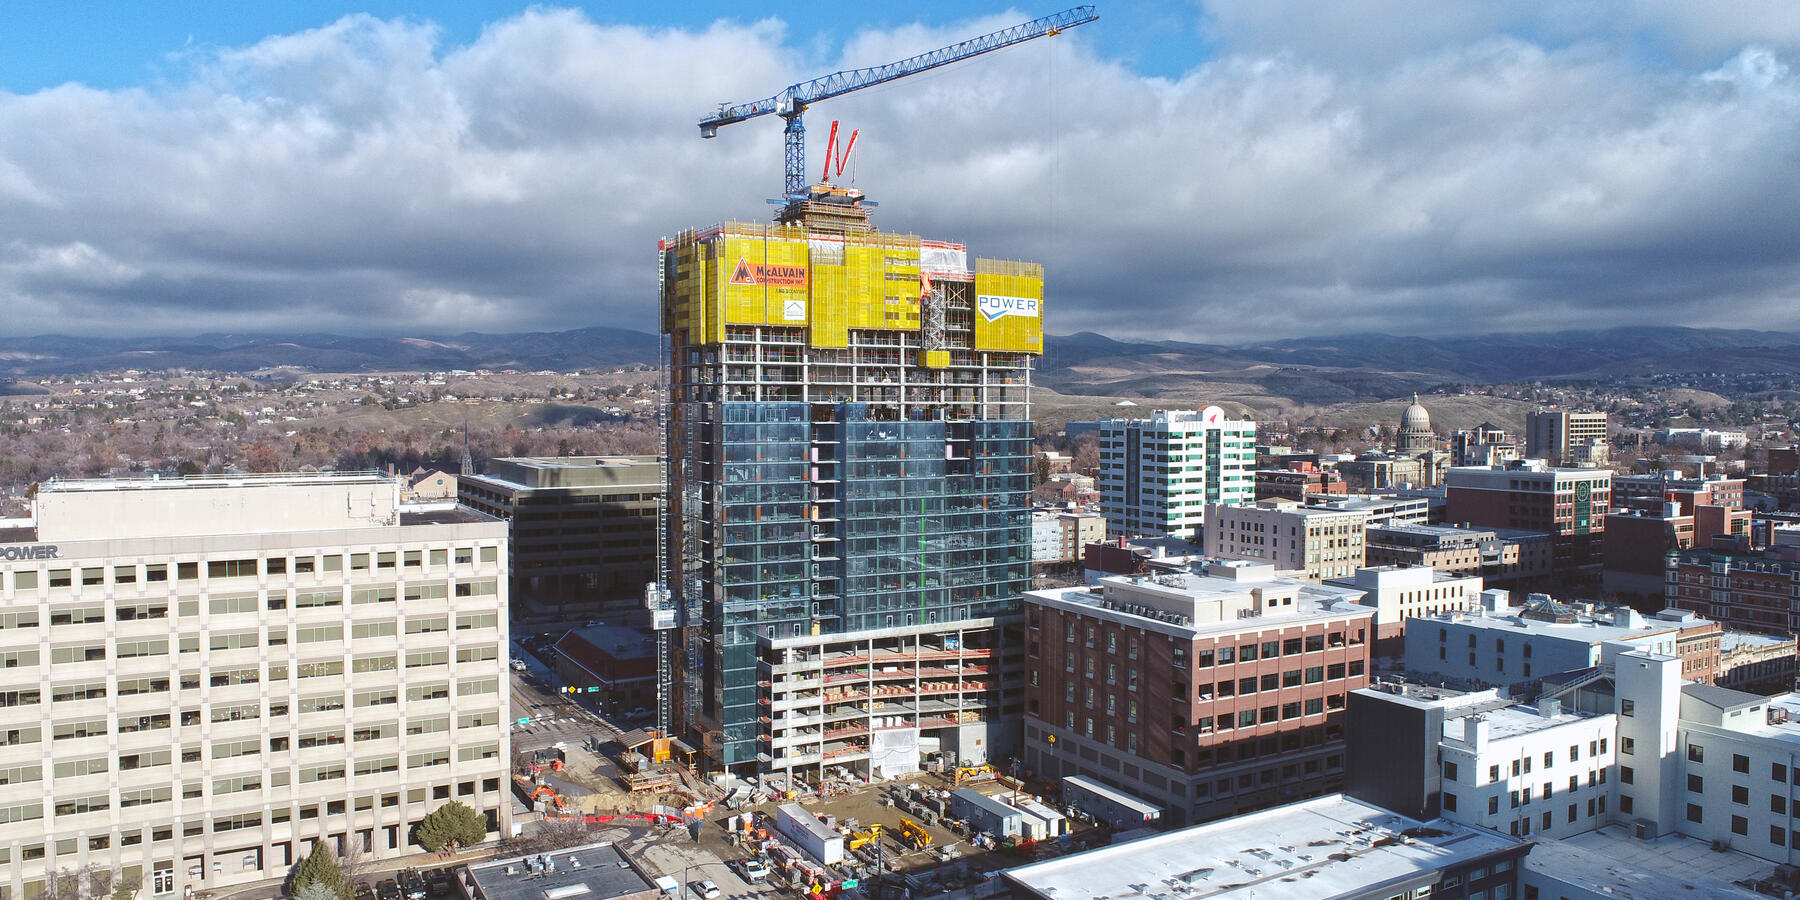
(966, 866)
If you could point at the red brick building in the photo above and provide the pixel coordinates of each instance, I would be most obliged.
(1296, 480)
(1210, 693)
(1662, 514)
(619, 662)
(1568, 504)
(1742, 588)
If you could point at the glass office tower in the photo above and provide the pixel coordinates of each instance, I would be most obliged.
(849, 457)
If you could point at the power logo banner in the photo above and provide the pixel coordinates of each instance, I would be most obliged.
(994, 307)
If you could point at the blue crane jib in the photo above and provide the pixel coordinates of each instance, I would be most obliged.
(792, 102)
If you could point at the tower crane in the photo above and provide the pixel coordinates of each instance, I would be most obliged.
(793, 100)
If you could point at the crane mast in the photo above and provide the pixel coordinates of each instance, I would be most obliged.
(792, 102)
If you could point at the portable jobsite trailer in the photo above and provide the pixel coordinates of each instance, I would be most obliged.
(984, 813)
(805, 829)
(1040, 823)
(1115, 808)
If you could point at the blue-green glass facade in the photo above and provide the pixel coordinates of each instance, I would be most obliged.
(827, 518)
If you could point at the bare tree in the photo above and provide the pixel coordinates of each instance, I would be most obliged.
(94, 882)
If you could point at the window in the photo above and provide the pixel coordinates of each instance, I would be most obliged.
(1627, 746)
(1696, 753)
(363, 630)
(1693, 812)
(1627, 708)
(1625, 775)
(1696, 784)
(1449, 802)
(1740, 825)
(319, 634)
(1740, 795)
(230, 568)
(1778, 772)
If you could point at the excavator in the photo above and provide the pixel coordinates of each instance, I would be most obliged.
(911, 833)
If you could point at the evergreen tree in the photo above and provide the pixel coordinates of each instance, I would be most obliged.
(452, 825)
(319, 868)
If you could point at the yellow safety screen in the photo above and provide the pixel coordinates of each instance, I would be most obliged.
(1009, 306)
(764, 281)
(831, 283)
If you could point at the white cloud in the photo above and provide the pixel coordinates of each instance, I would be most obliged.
(1495, 166)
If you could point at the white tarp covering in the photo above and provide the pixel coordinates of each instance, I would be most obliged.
(950, 260)
(894, 752)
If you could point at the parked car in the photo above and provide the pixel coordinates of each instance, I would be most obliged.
(387, 889)
(755, 871)
(705, 888)
(412, 886)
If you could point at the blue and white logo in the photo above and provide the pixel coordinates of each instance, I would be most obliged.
(994, 306)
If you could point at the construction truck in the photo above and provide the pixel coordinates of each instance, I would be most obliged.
(915, 836)
(969, 774)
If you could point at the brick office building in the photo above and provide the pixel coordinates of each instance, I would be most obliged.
(1210, 692)
(1568, 504)
(1743, 588)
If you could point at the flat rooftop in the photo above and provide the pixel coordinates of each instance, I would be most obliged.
(575, 462)
(1442, 532)
(591, 872)
(1749, 640)
(1354, 503)
(1230, 597)
(1455, 703)
(569, 472)
(1589, 630)
(616, 641)
(460, 515)
(1324, 847)
(191, 482)
(1512, 721)
(1608, 861)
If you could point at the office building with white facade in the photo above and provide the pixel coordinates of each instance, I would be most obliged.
(1400, 593)
(1496, 645)
(1159, 475)
(1538, 771)
(208, 674)
(1317, 541)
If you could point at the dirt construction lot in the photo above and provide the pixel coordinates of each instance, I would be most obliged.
(964, 864)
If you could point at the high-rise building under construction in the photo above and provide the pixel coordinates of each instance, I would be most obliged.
(849, 468)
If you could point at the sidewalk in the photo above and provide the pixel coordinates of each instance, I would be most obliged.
(268, 889)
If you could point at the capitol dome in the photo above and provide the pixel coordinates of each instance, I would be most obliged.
(1415, 435)
(1415, 417)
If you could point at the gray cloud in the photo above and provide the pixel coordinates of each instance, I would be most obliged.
(1495, 167)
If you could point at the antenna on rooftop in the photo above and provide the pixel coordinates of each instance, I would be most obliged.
(468, 459)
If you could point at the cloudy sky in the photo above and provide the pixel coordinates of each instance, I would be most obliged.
(1221, 171)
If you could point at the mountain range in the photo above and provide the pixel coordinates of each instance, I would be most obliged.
(1314, 370)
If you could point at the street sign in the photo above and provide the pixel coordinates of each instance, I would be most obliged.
(525, 720)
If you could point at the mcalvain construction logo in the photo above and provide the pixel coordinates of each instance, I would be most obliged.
(993, 306)
(757, 274)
